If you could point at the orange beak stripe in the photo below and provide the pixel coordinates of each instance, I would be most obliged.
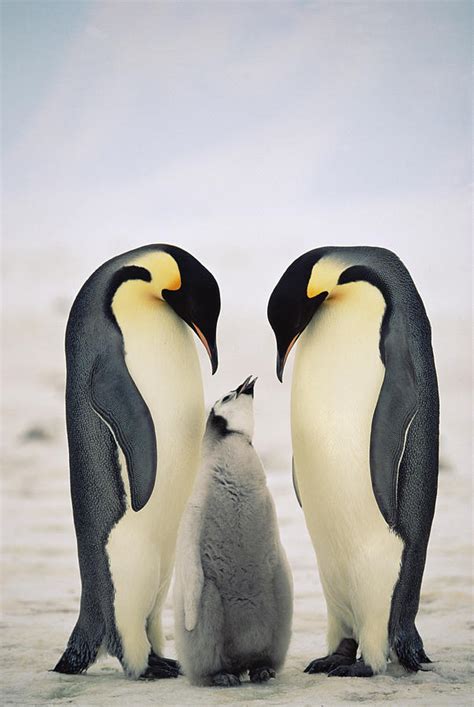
(292, 343)
(203, 339)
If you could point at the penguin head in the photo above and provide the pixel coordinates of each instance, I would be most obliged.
(301, 290)
(172, 275)
(197, 300)
(234, 412)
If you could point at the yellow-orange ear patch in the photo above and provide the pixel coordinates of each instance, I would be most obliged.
(324, 276)
(164, 271)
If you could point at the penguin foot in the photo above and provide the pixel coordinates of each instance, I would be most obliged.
(359, 669)
(157, 673)
(345, 654)
(225, 680)
(156, 660)
(160, 668)
(261, 674)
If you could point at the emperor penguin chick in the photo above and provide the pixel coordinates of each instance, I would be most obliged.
(233, 586)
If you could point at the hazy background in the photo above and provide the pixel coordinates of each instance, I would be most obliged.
(246, 132)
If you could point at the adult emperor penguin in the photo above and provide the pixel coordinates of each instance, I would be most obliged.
(135, 420)
(364, 418)
(233, 586)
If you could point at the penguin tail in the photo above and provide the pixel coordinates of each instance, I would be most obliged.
(81, 651)
(408, 647)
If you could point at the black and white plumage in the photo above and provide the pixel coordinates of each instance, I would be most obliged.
(365, 416)
(135, 419)
(233, 587)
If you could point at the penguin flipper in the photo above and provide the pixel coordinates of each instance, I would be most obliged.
(395, 410)
(192, 597)
(117, 400)
(188, 566)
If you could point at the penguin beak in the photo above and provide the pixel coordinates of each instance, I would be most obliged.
(246, 388)
(211, 348)
(304, 316)
(282, 358)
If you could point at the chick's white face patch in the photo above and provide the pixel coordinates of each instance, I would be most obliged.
(237, 411)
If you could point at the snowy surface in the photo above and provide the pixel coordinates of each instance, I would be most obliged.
(40, 579)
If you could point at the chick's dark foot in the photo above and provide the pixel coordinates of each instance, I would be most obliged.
(261, 674)
(225, 680)
(356, 670)
(345, 654)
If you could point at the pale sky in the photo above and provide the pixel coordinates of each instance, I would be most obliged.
(246, 132)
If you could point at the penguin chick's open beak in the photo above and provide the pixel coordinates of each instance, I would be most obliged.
(246, 388)
(210, 348)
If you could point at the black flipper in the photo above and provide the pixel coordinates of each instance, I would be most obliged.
(394, 412)
(295, 482)
(116, 398)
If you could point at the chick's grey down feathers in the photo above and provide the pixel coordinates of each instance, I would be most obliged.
(243, 604)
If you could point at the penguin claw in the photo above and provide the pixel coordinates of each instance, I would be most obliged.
(359, 669)
(225, 680)
(161, 668)
(158, 673)
(328, 663)
(261, 674)
(345, 654)
(157, 661)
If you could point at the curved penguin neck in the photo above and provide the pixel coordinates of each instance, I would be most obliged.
(161, 357)
(337, 378)
(347, 322)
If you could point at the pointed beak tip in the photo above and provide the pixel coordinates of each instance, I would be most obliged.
(214, 361)
(247, 386)
(251, 384)
(279, 369)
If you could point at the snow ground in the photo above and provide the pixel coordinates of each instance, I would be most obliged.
(40, 580)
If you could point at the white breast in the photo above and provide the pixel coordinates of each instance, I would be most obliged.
(161, 357)
(162, 360)
(336, 382)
